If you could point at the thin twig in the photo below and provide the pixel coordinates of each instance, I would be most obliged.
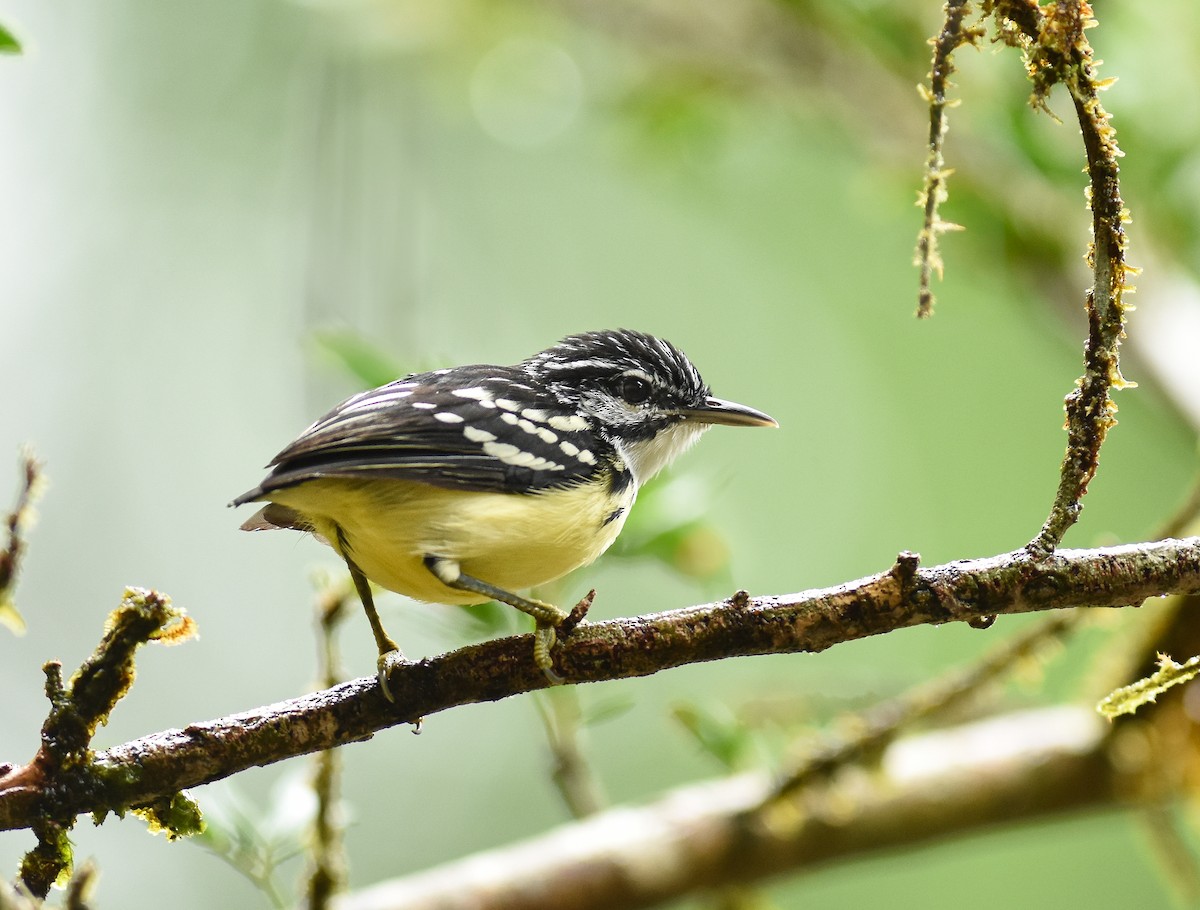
(327, 857)
(952, 36)
(875, 728)
(561, 717)
(18, 522)
(1185, 516)
(1170, 845)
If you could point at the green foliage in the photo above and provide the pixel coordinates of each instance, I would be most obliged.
(718, 732)
(257, 841)
(8, 42)
(358, 357)
(668, 525)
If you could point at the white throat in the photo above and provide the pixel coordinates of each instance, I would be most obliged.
(649, 456)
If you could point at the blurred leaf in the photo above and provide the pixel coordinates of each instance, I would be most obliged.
(606, 709)
(668, 525)
(10, 616)
(718, 732)
(491, 618)
(8, 42)
(255, 841)
(674, 114)
(358, 357)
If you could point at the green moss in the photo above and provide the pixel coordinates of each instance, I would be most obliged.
(177, 816)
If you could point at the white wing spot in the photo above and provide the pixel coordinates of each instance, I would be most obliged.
(547, 435)
(508, 404)
(372, 403)
(424, 405)
(570, 424)
(476, 392)
(447, 417)
(508, 417)
(507, 452)
(537, 415)
(569, 448)
(477, 435)
(586, 457)
(526, 426)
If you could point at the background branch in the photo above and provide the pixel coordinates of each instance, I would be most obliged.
(705, 836)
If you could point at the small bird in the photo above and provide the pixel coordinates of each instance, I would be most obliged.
(464, 485)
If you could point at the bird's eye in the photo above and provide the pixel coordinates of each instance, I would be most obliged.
(634, 388)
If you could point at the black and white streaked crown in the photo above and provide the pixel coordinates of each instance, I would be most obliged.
(631, 384)
(596, 356)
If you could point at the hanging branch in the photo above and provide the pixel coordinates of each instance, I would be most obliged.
(17, 523)
(952, 36)
(1060, 53)
(1056, 51)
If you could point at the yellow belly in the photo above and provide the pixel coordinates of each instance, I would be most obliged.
(508, 540)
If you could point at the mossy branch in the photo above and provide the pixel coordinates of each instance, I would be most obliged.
(145, 770)
(953, 35)
(1052, 39)
(63, 774)
(1061, 54)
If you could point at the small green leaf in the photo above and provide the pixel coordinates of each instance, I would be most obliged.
(606, 709)
(490, 618)
(8, 42)
(359, 357)
(717, 731)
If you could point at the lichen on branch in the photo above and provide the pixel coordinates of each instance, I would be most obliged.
(63, 779)
(1052, 40)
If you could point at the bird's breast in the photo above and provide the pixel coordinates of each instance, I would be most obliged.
(513, 541)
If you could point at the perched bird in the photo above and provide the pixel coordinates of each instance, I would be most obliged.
(465, 485)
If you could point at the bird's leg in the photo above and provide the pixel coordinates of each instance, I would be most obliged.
(547, 616)
(389, 652)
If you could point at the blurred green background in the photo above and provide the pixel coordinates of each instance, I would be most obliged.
(194, 193)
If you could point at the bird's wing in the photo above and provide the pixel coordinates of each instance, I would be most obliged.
(462, 429)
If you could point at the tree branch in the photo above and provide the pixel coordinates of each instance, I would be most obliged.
(1005, 769)
(156, 766)
(1061, 53)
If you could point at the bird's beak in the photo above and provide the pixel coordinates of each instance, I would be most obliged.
(728, 413)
